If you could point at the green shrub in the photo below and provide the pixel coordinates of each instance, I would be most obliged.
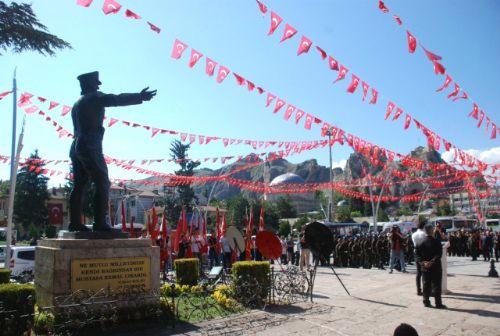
(251, 281)
(4, 275)
(187, 271)
(21, 299)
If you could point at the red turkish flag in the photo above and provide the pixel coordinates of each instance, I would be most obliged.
(407, 121)
(111, 7)
(354, 84)
(398, 20)
(154, 28)
(390, 107)
(412, 42)
(279, 105)
(31, 109)
(475, 111)
(262, 7)
(447, 82)
(438, 68)
(270, 98)
(365, 87)
(321, 52)
(455, 91)
(309, 121)
(431, 56)
(463, 96)
(288, 33)
(493, 131)
(383, 7)
(250, 85)
(239, 80)
(132, 15)
(298, 115)
(324, 129)
(374, 96)
(154, 131)
(481, 117)
(289, 111)
(223, 72)
(304, 46)
(447, 145)
(4, 94)
(210, 67)
(275, 22)
(343, 71)
(195, 56)
(399, 111)
(65, 110)
(332, 62)
(55, 214)
(178, 49)
(84, 3)
(112, 121)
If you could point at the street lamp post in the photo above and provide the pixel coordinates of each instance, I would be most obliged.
(331, 206)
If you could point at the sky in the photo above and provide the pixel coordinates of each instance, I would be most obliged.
(130, 56)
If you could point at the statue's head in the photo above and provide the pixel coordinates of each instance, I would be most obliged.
(89, 81)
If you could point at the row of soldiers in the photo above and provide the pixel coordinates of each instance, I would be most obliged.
(367, 251)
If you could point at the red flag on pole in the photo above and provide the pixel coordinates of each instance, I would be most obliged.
(261, 218)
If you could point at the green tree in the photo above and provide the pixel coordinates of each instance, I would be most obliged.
(30, 201)
(178, 152)
(301, 222)
(238, 208)
(285, 207)
(284, 228)
(344, 215)
(21, 31)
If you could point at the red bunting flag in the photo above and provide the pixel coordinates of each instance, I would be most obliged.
(304, 46)
(279, 105)
(475, 111)
(447, 82)
(84, 3)
(324, 129)
(154, 131)
(481, 117)
(407, 121)
(343, 71)
(210, 67)
(4, 94)
(383, 7)
(309, 120)
(332, 62)
(390, 107)
(447, 145)
(374, 96)
(112, 121)
(288, 33)
(455, 91)
(195, 56)
(32, 109)
(25, 99)
(270, 98)
(399, 111)
(298, 115)
(223, 72)
(438, 68)
(365, 87)
(154, 28)
(239, 80)
(262, 7)
(463, 96)
(275, 22)
(431, 56)
(412, 42)
(111, 7)
(354, 84)
(250, 85)
(132, 15)
(289, 111)
(321, 52)
(178, 48)
(398, 20)
(65, 110)
(493, 131)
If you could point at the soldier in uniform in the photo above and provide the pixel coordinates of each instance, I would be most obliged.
(86, 150)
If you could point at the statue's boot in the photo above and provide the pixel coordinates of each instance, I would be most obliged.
(78, 227)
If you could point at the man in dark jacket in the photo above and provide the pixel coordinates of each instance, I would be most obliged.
(86, 150)
(428, 255)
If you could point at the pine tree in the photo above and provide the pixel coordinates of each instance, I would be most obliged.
(179, 154)
(22, 31)
(30, 201)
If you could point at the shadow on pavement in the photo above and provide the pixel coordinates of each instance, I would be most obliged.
(480, 312)
(474, 297)
(285, 310)
(381, 303)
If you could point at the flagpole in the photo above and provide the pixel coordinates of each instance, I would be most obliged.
(13, 164)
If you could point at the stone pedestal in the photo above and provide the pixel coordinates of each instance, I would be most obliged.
(63, 266)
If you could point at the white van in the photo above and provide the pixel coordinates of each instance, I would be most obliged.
(22, 259)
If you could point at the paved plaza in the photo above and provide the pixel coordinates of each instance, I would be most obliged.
(380, 301)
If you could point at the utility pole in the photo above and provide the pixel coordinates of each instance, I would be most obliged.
(331, 205)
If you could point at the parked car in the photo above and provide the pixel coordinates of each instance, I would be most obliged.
(2, 253)
(22, 260)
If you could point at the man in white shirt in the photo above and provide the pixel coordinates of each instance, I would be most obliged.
(418, 237)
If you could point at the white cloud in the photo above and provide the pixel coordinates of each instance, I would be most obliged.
(339, 164)
(490, 156)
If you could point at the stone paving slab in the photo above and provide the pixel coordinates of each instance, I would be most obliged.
(379, 302)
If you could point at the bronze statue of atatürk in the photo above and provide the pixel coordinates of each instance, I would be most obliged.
(86, 150)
